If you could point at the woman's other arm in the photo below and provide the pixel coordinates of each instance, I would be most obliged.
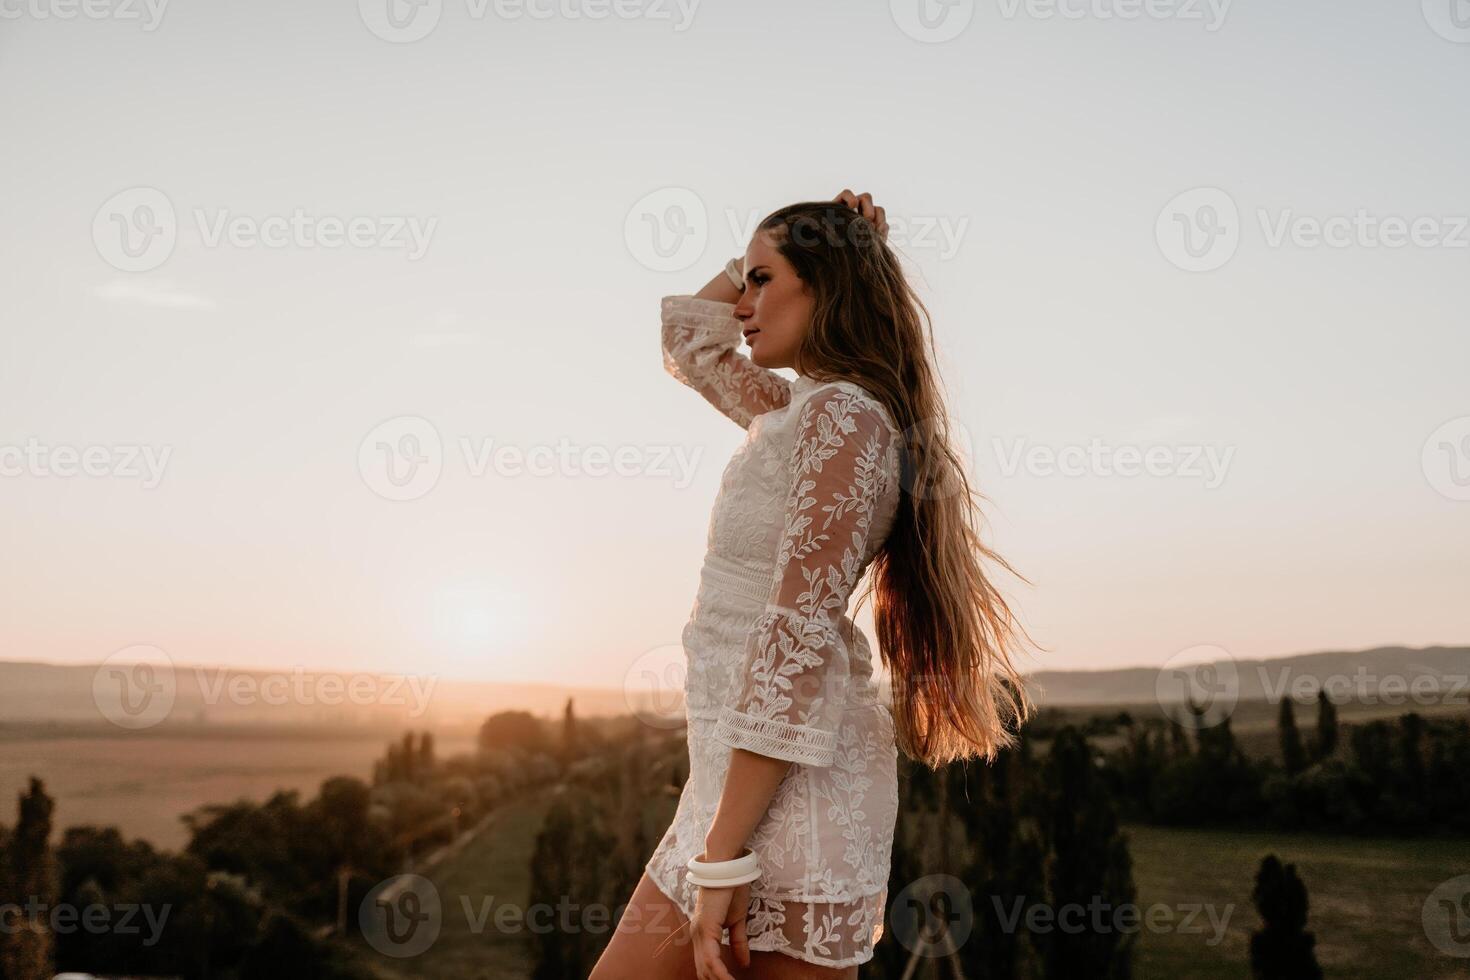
(701, 340)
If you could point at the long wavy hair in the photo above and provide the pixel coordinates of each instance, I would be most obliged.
(944, 631)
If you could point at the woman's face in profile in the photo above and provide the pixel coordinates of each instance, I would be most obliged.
(775, 308)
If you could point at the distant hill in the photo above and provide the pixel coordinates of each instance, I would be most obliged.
(1349, 673)
(59, 694)
(37, 693)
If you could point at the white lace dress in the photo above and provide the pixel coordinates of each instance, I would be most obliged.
(775, 665)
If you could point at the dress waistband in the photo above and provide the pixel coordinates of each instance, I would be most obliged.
(732, 576)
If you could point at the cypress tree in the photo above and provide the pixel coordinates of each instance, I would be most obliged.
(27, 947)
(1293, 756)
(1282, 948)
(569, 740)
(1087, 864)
(1326, 725)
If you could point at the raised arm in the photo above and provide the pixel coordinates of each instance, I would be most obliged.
(701, 337)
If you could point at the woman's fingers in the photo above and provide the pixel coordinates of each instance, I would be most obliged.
(863, 205)
(711, 907)
(855, 201)
(739, 944)
(708, 964)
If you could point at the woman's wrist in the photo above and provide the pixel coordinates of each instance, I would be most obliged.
(716, 848)
(734, 272)
(740, 870)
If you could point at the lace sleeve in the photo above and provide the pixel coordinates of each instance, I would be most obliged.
(795, 688)
(700, 341)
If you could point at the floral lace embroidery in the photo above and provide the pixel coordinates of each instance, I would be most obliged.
(778, 666)
(798, 665)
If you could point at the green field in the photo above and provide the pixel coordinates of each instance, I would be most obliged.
(143, 782)
(492, 870)
(1366, 894)
(1366, 897)
(1365, 900)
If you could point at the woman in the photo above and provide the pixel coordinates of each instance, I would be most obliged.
(793, 758)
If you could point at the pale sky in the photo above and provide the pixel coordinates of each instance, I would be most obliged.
(1292, 388)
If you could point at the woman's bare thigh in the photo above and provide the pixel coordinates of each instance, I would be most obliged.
(779, 966)
(651, 942)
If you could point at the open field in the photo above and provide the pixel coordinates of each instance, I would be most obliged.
(143, 782)
(492, 871)
(1365, 900)
(1365, 895)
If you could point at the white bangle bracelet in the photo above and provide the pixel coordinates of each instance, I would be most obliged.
(732, 272)
(724, 874)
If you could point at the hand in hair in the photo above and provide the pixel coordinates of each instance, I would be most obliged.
(863, 204)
